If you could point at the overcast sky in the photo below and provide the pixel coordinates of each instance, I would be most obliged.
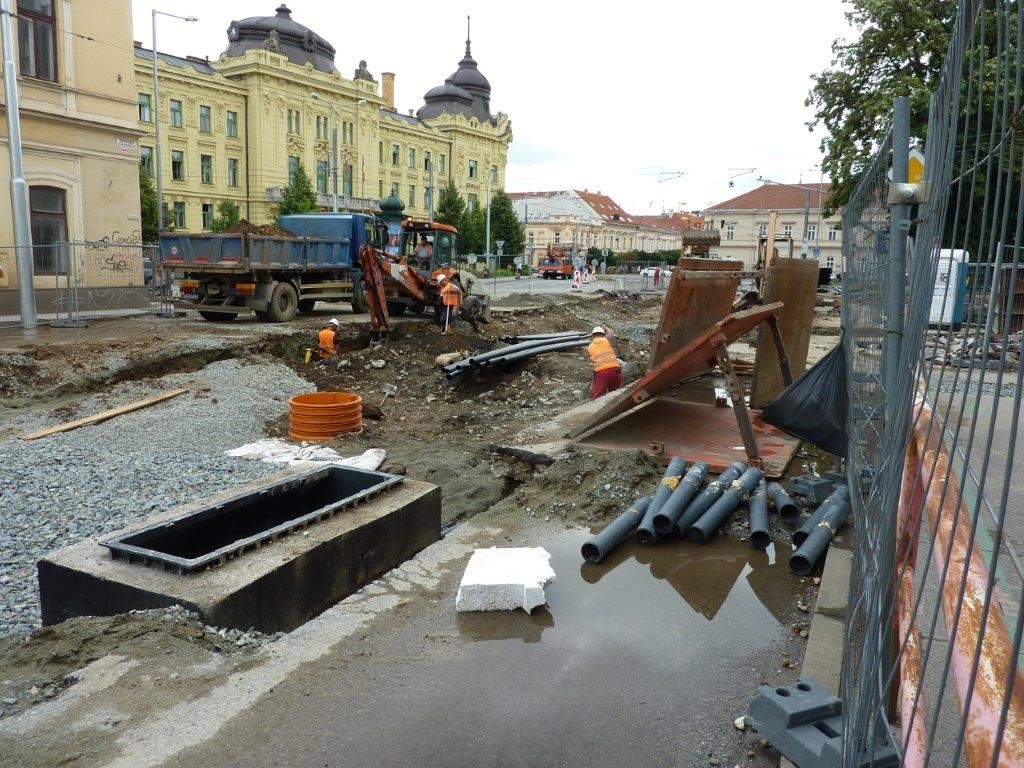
(604, 100)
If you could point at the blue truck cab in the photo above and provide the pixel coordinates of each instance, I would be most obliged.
(223, 275)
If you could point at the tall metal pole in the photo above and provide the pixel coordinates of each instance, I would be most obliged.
(430, 183)
(807, 221)
(19, 187)
(161, 218)
(487, 244)
(334, 159)
(897, 272)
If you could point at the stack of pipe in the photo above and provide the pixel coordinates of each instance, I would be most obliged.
(595, 550)
(702, 529)
(524, 347)
(817, 533)
(646, 533)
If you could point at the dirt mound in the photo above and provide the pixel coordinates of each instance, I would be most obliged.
(263, 230)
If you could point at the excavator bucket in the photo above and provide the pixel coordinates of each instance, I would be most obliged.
(373, 279)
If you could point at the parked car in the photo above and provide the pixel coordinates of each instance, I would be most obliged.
(666, 272)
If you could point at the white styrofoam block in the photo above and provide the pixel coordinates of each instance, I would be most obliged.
(505, 579)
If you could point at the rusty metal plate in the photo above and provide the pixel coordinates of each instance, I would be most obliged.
(667, 427)
(697, 357)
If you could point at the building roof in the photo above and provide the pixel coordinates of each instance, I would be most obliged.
(465, 92)
(774, 197)
(200, 65)
(605, 207)
(544, 206)
(279, 33)
(676, 221)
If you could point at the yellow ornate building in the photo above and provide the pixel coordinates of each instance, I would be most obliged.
(79, 145)
(235, 128)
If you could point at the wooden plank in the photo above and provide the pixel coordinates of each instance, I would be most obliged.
(96, 418)
(691, 306)
(696, 357)
(793, 282)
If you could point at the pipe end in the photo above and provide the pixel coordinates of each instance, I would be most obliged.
(800, 565)
(799, 537)
(663, 524)
(646, 537)
(696, 535)
(591, 553)
(790, 513)
(760, 539)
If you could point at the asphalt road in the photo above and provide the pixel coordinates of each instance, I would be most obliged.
(505, 286)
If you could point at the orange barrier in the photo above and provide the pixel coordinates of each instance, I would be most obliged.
(319, 416)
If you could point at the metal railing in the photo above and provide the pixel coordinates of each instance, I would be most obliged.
(932, 340)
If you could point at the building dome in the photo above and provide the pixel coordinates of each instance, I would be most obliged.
(466, 92)
(279, 33)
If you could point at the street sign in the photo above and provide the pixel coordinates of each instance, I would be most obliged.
(518, 261)
(816, 252)
(471, 259)
(915, 167)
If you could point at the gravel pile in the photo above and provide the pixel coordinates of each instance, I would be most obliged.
(90, 481)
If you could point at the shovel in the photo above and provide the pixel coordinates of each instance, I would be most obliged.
(390, 390)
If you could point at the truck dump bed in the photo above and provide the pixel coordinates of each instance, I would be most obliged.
(245, 252)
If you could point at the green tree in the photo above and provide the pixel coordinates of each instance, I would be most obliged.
(505, 225)
(148, 208)
(227, 216)
(472, 232)
(299, 196)
(899, 52)
(451, 210)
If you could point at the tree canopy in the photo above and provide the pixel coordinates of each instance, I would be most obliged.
(148, 207)
(451, 208)
(505, 225)
(227, 216)
(299, 196)
(899, 52)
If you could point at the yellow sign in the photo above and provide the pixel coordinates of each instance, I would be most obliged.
(915, 167)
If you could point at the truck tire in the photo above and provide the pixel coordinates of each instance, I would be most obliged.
(306, 305)
(216, 317)
(396, 308)
(359, 303)
(284, 303)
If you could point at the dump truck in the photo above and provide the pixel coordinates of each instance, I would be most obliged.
(556, 264)
(224, 275)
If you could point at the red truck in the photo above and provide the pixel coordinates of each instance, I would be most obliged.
(556, 264)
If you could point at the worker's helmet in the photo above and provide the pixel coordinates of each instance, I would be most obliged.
(333, 321)
(441, 278)
(597, 329)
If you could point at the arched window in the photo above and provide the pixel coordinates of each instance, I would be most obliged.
(49, 230)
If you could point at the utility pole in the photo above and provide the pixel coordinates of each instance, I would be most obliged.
(487, 243)
(19, 187)
(430, 183)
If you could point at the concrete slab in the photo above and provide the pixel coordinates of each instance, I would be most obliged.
(823, 657)
(835, 583)
(275, 588)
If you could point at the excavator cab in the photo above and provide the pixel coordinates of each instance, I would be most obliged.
(429, 245)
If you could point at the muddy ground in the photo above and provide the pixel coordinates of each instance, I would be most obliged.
(439, 431)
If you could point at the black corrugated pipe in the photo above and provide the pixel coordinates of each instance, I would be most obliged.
(757, 509)
(712, 520)
(595, 550)
(558, 347)
(645, 533)
(478, 361)
(784, 504)
(708, 496)
(665, 518)
(802, 561)
(540, 336)
(841, 493)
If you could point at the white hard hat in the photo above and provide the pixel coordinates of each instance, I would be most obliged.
(597, 329)
(441, 278)
(333, 321)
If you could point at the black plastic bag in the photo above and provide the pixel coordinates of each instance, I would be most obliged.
(813, 407)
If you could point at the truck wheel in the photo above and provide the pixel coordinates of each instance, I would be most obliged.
(359, 303)
(216, 317)
(396, 308)
(306, 305)
(284, 303)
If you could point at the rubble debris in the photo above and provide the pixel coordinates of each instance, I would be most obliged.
(243, 226)
(504, 579)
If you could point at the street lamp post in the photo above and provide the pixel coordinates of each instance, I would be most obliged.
(807, 208)
(156, 116)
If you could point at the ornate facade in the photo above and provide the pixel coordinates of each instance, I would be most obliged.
(235, 128)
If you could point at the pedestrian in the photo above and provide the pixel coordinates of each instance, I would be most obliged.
(451, 299)
(657, 276)
(327, 340)
(607, 370)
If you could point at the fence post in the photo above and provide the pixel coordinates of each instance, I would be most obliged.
(896, 278)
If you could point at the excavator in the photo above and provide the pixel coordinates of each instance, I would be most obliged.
(408, 280)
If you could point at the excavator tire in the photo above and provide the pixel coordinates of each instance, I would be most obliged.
(396, 308)
(284, 303)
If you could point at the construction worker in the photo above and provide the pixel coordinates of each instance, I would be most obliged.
(423, 252)
(607, 371)
(327, 340)
(451, 299)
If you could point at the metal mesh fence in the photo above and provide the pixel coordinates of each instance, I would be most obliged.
(509, 274)
(78, 281)
(933, 343)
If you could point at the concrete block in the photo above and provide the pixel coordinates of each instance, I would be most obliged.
(834, 591)
(505, 579)
(275, 588)
(823, 657)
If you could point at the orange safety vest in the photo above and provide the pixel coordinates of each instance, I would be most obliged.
(602, 356)
(325, 342)
(450, 295)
